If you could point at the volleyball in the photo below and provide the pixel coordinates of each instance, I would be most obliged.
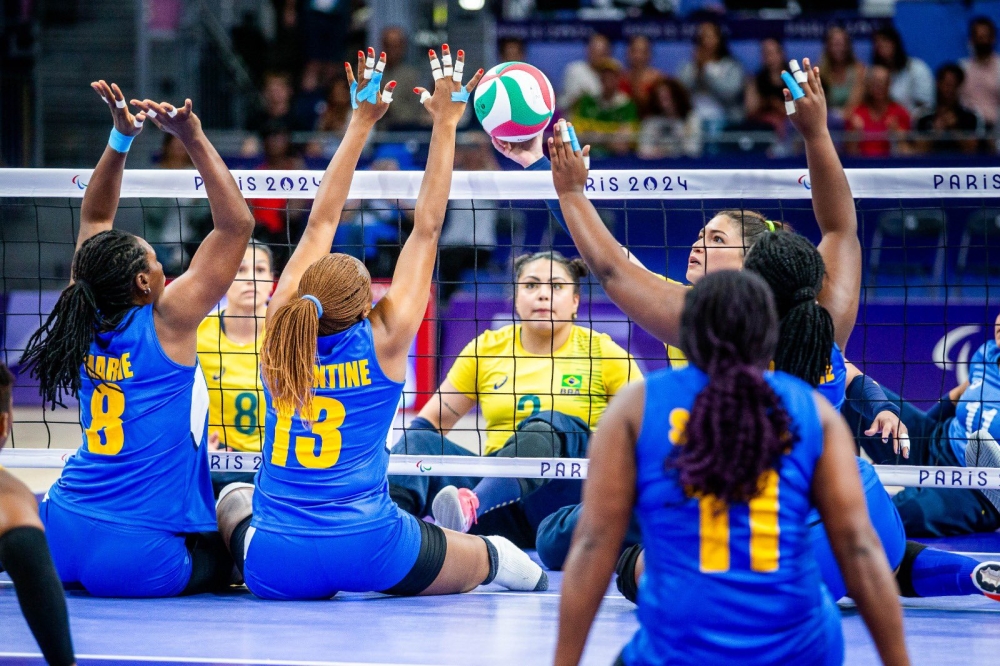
(514, 101)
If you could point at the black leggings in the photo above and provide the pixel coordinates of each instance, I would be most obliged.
(211, 564)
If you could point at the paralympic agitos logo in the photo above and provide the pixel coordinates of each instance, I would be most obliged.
(951, 339)
(79, 182)
(804, 181)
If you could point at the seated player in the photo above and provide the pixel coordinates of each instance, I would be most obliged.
(723, 462)
(24, 553)
(333, 370)
(941, 437)
(229, 343)
(541, 384)
(138, 493)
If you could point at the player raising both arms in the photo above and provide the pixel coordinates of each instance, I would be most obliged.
(333, 369)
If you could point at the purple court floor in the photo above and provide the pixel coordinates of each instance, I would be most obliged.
(489, 626)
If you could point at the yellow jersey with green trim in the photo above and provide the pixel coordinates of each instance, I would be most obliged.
(511, 384)
(235, 391)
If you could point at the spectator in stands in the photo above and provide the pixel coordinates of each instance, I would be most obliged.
(277, 94)
(250, 45)
(334, 116)
(878, 117)
(512, 50)
(581, 76)
(912, 83)
(672, 129)
(949, 116)
(981, 92)
(324, 26)
(470, 228)
(641, 76)
(842, 74)
(714, 77)
(175, 226)
(274, 216)
(405, 111)
(609, 119)
(764, 101)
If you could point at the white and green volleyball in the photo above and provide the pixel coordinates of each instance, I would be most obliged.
(514, 101)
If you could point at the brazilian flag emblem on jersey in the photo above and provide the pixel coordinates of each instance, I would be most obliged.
(572, 381)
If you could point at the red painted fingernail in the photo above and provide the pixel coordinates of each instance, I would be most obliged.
(444, 46)
(461, 53)
(430, 52)
(392, 84)
(382, 57)
(361, 54)
(416, 90)
(347, 65)
(480, 71)
(371, 50)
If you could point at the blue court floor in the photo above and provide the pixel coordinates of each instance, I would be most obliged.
(489, 626)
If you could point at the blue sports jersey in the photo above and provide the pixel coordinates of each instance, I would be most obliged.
(736, 583)
(833, 386)
(330, 477)
(144, 419)
(977, 408)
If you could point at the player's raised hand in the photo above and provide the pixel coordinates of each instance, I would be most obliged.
(524, 153)
(368, 99)
(125, 122)
(807, 113)
(448, 101)
(181, 122)
(569, 167)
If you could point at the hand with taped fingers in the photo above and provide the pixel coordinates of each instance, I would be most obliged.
(125, 122)
(889, 424)
(808, 113)
(569, 167)
(448, 101)
(181, 122)
(369, 101)
(524, 153)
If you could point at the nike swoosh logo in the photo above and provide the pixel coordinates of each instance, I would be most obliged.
(218, 376)
(499, 384)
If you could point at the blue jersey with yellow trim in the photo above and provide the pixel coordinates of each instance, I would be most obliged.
(144, 419)
(977, 407)
(328, 476)
(726, 582)
(833, 386)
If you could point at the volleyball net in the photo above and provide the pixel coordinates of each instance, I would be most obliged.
(927, 237)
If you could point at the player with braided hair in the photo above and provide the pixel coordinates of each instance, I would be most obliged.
(125, 344)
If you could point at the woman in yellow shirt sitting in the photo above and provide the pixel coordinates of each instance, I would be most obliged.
(229, 352)
(541, 384)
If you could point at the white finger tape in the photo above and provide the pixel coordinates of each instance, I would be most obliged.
(586, 161)
(424, 96)
(800, 77)
(172, 112)
(120, 103)
(380, 66)
(137, 123)
(151, 113)
(789, 108)
(459, 69)
(564, 132)
(436, 70)
(446, 61)
(387, 96)
(793, 66)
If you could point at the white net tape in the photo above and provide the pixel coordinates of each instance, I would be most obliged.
(527, 185)
(975, 478)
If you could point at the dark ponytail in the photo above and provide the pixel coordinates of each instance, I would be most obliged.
(794, 269)
(738, 428)
(103, 292)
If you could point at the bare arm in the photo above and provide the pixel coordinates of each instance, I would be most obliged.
(833, 205)
(653, 304)
(398, 315)
(838, 495)
(100, 201)
(608, 499)
(446, 407)
(317, 239)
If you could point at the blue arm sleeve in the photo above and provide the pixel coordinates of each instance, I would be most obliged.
(553, 204)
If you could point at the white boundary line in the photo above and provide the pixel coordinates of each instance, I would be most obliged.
(217, 660)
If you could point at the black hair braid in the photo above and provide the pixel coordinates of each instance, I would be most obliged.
(104, 270)
(794, 269)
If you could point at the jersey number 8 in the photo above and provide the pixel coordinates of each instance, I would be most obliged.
(326, 417)
(105, 436)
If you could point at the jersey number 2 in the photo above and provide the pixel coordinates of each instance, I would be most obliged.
(326, 417)
(105, 436)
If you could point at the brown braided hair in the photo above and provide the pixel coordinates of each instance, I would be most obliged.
(343, 287)
(752, 225)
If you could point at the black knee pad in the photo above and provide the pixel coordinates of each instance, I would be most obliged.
(626, 572)
(904, 574)
(211, 564)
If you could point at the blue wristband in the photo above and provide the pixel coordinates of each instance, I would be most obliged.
(793, 86)
(119, 141)
(460, 96)
(574, 142)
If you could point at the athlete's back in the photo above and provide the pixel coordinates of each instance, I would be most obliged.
(328, 476)
(736, 582)
(144, 418)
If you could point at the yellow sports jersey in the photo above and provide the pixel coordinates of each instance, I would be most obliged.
(235, 392)
(511, 384)
(674, 354)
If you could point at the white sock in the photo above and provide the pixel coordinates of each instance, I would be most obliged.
(515, 570)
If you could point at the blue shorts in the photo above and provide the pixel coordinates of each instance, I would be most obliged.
(111, 560)
(291, 566)
(885, 519)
